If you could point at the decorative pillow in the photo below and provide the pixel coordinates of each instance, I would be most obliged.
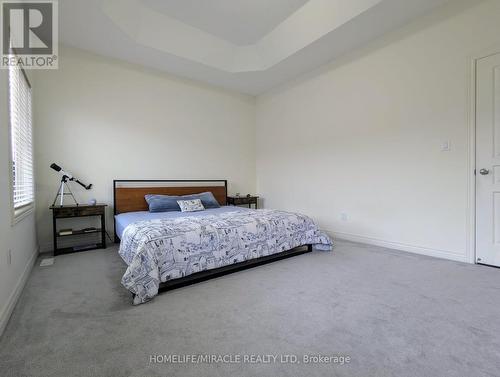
(190, 205)
(168, 203)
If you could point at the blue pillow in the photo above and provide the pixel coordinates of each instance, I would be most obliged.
(168, 203)
(207, 199)
(162, 203)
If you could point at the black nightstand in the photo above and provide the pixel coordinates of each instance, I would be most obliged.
(243, 200)
(81, 210)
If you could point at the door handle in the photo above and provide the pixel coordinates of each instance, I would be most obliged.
(484, 172)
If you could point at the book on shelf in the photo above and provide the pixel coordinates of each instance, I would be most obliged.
(65, 232)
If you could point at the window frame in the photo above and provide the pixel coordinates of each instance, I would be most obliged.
(19, 213)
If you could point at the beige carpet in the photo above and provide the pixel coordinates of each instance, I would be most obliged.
(392, 313)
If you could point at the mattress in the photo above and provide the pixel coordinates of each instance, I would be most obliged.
(125, 219)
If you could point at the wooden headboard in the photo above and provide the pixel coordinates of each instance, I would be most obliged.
(129, 194)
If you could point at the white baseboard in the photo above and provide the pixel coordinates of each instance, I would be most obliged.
(444, 254)
(7, 310)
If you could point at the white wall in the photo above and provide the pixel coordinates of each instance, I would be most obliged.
(102, 120)
(362, 136)
(19, 238)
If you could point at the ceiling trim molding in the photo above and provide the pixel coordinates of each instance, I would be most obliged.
(314, 20)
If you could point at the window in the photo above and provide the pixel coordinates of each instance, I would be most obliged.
(21, 137)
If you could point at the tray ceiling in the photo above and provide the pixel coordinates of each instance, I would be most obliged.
(238, 22)
(249, 46)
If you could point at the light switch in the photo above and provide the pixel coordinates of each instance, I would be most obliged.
(446, 146)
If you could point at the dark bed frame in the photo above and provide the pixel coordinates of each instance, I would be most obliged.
(129, 199)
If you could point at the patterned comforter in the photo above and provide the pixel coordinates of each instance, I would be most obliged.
(163, 249)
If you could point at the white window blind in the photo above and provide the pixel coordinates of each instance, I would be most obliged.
(21, 138)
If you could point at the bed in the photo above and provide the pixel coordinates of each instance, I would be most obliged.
(167, 250)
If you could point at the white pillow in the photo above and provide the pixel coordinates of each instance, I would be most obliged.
(190, 205)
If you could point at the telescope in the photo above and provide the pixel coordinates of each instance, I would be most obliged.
(69, 177)
(64, 185)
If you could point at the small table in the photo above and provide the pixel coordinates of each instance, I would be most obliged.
(82, 210)
(243, 200)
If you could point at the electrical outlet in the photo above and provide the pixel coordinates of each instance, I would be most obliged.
(9, 257)
(344, 217)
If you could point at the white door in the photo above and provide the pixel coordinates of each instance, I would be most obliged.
(488, 161)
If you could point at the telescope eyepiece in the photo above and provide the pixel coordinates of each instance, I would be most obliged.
(56, 167)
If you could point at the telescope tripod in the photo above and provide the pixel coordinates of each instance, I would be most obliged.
(61, 192)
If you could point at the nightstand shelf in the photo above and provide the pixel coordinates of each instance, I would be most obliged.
(77, 249)
(79, 232)
(79, 211)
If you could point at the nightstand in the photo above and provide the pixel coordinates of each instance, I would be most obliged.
(82, 210)
(243, 200)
